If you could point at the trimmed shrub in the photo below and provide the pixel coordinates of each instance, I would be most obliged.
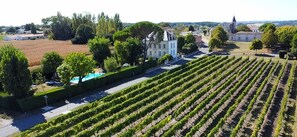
(190, 47)
(7, 101)
(62, 93)
(164, 58)
(34, 74)
(110, 64)
(282, 53)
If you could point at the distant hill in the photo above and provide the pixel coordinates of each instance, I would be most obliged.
(213, 24)
(277, 23)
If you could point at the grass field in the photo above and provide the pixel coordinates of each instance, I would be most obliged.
(210, 96)
(1, 37)
(240, 48)
(35, 49)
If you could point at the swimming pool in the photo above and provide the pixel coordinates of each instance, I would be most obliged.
(87, 77)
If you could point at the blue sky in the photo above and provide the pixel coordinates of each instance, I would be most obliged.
(18, 12)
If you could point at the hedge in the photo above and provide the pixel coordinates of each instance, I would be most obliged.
(58, 94)
(7, 101)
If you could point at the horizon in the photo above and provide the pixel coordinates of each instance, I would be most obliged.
(132, 11)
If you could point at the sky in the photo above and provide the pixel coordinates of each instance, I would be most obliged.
(20, 12)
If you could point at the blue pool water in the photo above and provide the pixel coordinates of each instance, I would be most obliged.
(87, 77)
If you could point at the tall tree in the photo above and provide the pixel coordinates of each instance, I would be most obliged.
(107, 26)
(120, 51)
(79, 19)
(64, 72)
(14, 75)
(264, 26)
(149, 33)
(244, 28)
(46, 22)
(110, 64)
(293, 49)
(220, 33)
(11, 30)
(118, 22)
(180, 43)
(33, 28)
(121, 35)
(134, 50)
(189, 38)
(28, 27)
(100, 49)
(213, 43)
(191, 28)
(285, 34)
(50, 62)
(269, 38)
(83, 34)
(270, 27)
(80, 65)
(128, 51)
(164, 24)
(256, 45)
(61, 27)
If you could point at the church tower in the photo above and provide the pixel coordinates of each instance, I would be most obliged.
(233, 25)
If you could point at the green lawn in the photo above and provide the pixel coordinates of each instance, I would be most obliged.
(1, 37)
(240, 48)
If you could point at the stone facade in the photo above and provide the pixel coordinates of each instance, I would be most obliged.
(167, 46)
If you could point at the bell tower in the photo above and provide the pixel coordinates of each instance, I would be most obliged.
(233, 25)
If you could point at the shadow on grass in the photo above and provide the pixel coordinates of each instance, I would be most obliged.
(229, 46)
(263, 55)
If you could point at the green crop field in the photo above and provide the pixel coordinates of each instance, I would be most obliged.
(210, 96)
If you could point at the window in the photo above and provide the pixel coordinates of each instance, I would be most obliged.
(238, 38)
(159, 53)
(150, 46)
(150, 53)
(159, 46)
(164, 53)
(246, 38)
(154, 46)
(164, 46)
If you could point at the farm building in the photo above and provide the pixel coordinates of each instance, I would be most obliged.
(23, 37)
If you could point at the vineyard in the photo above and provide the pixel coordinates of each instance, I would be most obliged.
(210, 96)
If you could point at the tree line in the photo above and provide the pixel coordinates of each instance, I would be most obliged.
(81, 27)
(272, 35)
(130, 44)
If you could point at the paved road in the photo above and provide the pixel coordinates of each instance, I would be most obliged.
(38, 116)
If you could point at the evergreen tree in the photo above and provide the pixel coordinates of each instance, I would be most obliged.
(50, 62)
(15, 75)
(33, 28)
(293, 49)
(256, 45)
(100, 49)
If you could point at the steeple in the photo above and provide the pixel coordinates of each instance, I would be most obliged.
(233, 25)
(233, 20)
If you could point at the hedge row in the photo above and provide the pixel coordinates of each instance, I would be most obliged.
(7, 101)
(55, 95)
